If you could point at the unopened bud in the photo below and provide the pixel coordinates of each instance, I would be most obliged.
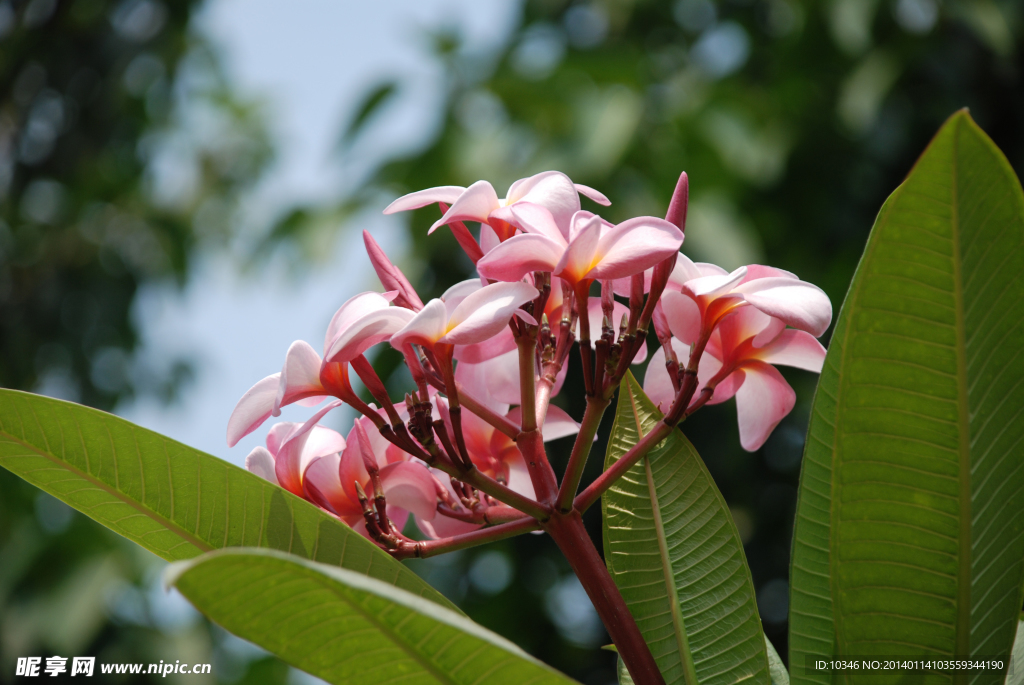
(360, 493)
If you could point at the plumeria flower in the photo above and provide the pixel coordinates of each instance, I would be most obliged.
(737, 362)
(465, 314)
(549, 189)
(316, 463)
(504, 341)
(331, 482)
(590, 249)
(362, 321)
(706, 294)
(290, 449)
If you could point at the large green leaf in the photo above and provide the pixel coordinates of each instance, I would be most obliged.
(910, 522)
(347, 628)
(673, 549)
(175, 501)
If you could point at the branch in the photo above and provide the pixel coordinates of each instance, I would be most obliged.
(580, 452)
(594, 491)
(430, 548)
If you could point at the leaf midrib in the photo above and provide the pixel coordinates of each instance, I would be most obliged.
(169, 524)
(685, 656)
(965, 577)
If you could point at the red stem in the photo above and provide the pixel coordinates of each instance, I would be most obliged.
(569, 533)
(430, 548)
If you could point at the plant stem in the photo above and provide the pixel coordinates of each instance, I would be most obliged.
(527, 381)
(594, 491)
(596, 407)
(569, 533)
(430, 548)
(545, 484)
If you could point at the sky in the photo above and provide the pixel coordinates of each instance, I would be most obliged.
(309, 61)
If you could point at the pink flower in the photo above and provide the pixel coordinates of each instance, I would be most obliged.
(465, 314)
(363, 321)
(738, 362)
(317, 464)
(590, 249)
(707, 293)
(550, 189)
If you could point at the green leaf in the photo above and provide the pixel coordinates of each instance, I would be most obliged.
(910, 520)
(780, 676)
(624, 677)
(175, 501)
(347, 628)
(1015, 671)
(673, 549)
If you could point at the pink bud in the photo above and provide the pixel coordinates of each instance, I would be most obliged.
(391, 277)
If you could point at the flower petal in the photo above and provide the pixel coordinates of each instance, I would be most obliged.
(579, 256)
(518, 475)
(302, 446)
(475, 204)
(550, 189)
(595, 195)
(488, 238)
(300, 377)
(426, 328)
(682, 315)
(253, 408)
(422, 198)
(714, 285)
(762, 401)
(495, 381)
(445, 527)
(278, 433)
(795, 348)
(520, 255)
(558, 424)
(410, 486)
(657, 383)
(322, 486)
(635, 245)
(800, 304)
(532, 218)
(483, 314)
(355, 308)
(261, 462)
(488, 349)
(744, 323)
(756, 271)
(375, 327)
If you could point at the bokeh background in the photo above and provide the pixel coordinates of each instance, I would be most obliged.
(183, 185)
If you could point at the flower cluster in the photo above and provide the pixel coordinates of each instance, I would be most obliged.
(465, 448)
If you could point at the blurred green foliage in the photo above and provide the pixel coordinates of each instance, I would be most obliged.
(122, 152)
(794, 120)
